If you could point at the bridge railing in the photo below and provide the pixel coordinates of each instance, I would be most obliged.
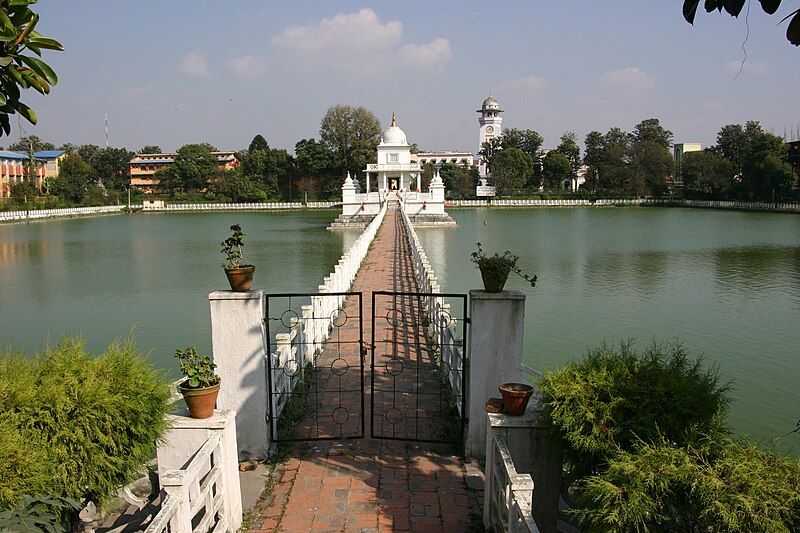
(308, 333)
(445, 330)
(508, 496)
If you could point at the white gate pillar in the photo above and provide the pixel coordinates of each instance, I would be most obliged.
(238, 351)
(495, 354)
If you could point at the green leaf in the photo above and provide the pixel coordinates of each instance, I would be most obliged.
(734, 7)
(793, 31)
(690, 10)
(26, 112)
(47, 44)
(770, 6)
(41, 68)
(5, 61)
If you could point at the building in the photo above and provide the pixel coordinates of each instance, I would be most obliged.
(439, 158)
(14, 168)
(394, 177)
(142, 167)
(491, 127)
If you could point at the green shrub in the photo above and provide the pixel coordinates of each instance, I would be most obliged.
(612, 398)
(663, 487)
(89, 422)
(36, 515)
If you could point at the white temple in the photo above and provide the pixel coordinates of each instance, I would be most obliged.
(394, 178)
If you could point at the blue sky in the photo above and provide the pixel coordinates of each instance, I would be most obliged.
(184, 71)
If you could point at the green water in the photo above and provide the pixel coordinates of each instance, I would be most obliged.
(105, 275)
(726, 283)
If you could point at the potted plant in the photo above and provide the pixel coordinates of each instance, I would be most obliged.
(201, 386)
(515, 398)
(495, 269)
(240, 276)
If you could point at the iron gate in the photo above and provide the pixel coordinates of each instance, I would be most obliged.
(315, 366)
(418, 365)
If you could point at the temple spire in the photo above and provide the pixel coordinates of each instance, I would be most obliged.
(394, 122)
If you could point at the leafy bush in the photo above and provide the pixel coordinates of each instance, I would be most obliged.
(77, 426)
(613, 398)
(663, 487)
(36, 515)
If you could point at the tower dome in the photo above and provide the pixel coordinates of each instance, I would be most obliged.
(393, 134)
(490, 104)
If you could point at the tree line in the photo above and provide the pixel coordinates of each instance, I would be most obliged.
(746, 163)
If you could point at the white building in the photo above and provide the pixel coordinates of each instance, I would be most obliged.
(393, 178)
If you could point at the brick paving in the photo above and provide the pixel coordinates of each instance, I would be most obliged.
(372, 485)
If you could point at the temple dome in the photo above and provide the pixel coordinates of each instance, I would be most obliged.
(393, 134)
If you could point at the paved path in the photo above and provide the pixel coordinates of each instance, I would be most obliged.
(371, 485)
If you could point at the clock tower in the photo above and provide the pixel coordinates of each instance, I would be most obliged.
(491, 126)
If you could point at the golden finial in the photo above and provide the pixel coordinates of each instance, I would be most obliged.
(394, 123)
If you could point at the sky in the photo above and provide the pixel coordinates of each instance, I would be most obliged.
(174, 72)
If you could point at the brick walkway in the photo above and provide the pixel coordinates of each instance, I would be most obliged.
(371, 485)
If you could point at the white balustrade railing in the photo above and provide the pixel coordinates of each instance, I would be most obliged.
(33, 214)
(445, 328)
(781, 207)
(310, 330)
(508, 495)
(242, 206)
(195, 494)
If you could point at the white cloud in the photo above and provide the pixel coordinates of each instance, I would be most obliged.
(430, 55)
(248, 66)
(630, 78)
(524, 84)
(194, 64)
(358, 42)
(760, 69)
(345, 31)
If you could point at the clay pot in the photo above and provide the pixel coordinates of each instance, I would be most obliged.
(495, 279)
(200, 401)
(515, 398)
(240, 278)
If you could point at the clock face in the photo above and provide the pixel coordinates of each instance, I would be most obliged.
(489, 129)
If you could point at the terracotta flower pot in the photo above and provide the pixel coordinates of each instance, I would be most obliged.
(240, 278)
(200, 401)
(515, 398)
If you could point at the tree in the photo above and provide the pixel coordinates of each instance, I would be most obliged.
(594, 145)
(24, 144)
(650, 164)
(73, 178)
(194, 166)
(239, 188)
(458, 180)
(18, 70)
(23, 192)
(650, 130)
(314, 162)
(732, 144)
(734, 7)
(268, 168)
(489, 149)
(150, 149)
(569, 147)
(511, 168)
(352, 135)
(110, 167)
(528, 141)
(707, 174)
(88, 152)
(258, 143)
(556, 168)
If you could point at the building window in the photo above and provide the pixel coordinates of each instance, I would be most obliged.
(392, 158)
